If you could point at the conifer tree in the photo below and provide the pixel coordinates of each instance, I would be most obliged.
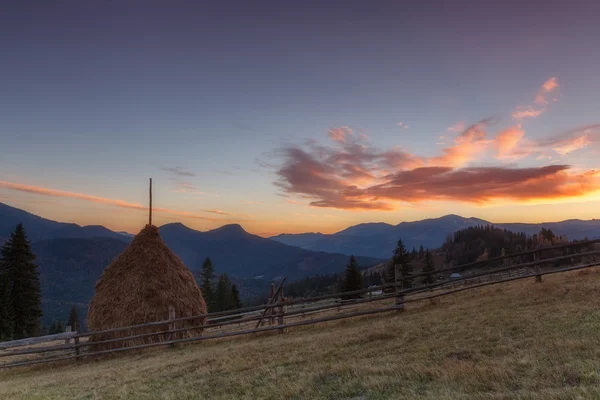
(235, 297)
(73, 320)
(19, 263)
(429, 269)
(400, 257)
(52, 330)
(414, 253)
(223, 294)
(421, 252)
(352, 279)
(208, 275)
(7, 317)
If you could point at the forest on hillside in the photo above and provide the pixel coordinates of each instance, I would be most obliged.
(462, 247)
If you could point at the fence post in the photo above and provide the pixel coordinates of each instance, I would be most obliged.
(272, 310)
(171, 324)
(281, 312)
(398, 287)
(68, 329)
(538, 277)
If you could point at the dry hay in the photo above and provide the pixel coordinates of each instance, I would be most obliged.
(138, 287)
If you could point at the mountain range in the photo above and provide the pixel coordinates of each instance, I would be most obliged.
(379, 239)
(72, 257)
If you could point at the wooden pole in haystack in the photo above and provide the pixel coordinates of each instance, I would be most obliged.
(150, 218)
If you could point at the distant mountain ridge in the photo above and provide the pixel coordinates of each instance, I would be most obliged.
(379, 239)
(39, 228)
(71, 258)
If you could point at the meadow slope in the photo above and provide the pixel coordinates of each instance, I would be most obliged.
(516, 340)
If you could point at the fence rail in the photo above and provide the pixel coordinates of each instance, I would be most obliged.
(319, 309)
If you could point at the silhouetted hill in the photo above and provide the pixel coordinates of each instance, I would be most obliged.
(39, 228)
(239, 253)
(379, 239)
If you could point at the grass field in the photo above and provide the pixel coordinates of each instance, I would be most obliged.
(517, 340)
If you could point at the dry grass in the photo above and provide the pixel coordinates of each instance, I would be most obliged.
(515, 340)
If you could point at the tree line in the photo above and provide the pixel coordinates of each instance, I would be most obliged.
(219, 294)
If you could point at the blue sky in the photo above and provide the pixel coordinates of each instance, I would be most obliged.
(97, 97)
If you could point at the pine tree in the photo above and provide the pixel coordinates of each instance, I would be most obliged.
(52, 330)
(401, 257)
(18, 262)
(223, 294)
(73, 320)
(7, 317)
(208, 276)
(59, 327)
(352, 279)
(429, 269)
(421, 252)
(235, 297)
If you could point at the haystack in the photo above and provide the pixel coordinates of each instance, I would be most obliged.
(139, 287)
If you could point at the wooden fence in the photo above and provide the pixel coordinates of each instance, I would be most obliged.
(280, 314)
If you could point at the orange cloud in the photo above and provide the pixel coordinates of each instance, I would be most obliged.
(469, 144)
(507, 140)
(357, 177)
(100, 200)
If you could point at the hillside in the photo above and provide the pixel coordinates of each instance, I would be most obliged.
(69, 267)
(39, 228)
(244, 255)
(379, 239)
(516, 340)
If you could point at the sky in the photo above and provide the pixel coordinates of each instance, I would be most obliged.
(290, 117)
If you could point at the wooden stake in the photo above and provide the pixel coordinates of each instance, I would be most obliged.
(150, 219)
(271, 299)
(538, 277)
(397, 289)
(281, 311)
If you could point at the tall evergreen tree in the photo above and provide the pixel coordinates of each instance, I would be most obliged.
(52, 330)
(352, 279)
(223, 294)
(401, 257)
(19, 263)
(429, 269)
(235, 297)
(421, 252)
(73, 320)
(208, 276)
(7, 317)
(414, 253)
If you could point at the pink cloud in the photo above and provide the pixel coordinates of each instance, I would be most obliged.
(548, 87)
(571, 145)
(527, 113)
(541, 101)
(340, 134)
(100, 200)
(358, 177)
(458, 127)
(507, 140)
(469, 144)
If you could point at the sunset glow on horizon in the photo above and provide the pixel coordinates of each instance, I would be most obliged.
(303, 118)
